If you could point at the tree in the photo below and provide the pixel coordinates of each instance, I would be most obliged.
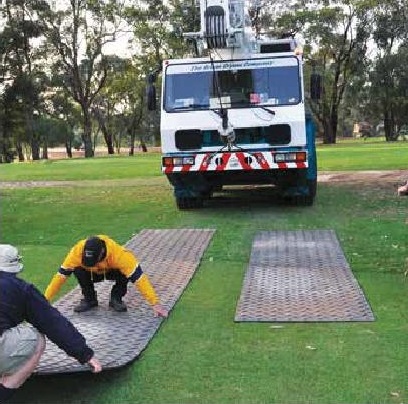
(13, 124)
(156, 27)
(79, 31)
(59, 105)
(121, 107)
(336, 40)
(110, 103)
(7, 150)
(22, 62)
(388, 93)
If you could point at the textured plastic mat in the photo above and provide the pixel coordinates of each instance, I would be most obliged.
(300, 276)
(170, 258)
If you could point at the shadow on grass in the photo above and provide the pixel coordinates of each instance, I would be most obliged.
(250, 196)
(67, 387)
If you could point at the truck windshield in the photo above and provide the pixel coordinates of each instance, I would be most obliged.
(232, 84)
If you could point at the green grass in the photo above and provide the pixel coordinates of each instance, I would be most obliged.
(347, 155)
(102, 168)
(199, 354)
(360, 155)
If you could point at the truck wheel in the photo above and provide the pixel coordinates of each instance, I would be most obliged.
(312, 185)
(184, 203)
(307, 200)
(303, 200)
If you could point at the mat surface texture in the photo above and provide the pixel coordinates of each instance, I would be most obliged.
(169, 258)
(299, 276)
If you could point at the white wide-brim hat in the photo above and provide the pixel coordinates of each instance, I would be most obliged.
(10, 260)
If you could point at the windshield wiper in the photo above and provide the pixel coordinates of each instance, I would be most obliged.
(266, 109)
(250, 105)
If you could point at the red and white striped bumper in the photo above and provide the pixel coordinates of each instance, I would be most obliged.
(230, 161)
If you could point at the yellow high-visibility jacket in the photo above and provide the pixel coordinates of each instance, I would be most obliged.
(117, 258)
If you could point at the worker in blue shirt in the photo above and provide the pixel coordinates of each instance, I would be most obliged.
(26, 318)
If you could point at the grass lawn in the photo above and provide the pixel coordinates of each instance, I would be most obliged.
(352, 154)
(199, 354)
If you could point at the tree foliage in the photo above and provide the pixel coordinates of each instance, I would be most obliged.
(78, 31)
(389, 91)
(335, 48)
(22, 67)
(56, 75)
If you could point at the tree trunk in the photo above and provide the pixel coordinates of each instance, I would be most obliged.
(45, 151)
(132, 147)
(106, 135)
(108, 138)
(20, 153)
(328, 132)
(6, 154)
(35, 148)
(132, 136)
(68, 149)
(31, 135)
(87, 135)
(333, 123)
(389, 126)
(143, 146)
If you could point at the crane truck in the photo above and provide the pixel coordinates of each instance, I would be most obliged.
(234, 114)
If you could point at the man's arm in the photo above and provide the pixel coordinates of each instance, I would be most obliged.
(71, 261)
(142, 282)
(49, 321)
(56, 282)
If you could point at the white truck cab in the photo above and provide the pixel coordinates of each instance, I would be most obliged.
(236, 114)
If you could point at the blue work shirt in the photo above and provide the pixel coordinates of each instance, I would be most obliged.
(21, 301)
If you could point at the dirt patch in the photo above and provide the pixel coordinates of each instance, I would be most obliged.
(368, 177)
(395, 177)
(34, 184)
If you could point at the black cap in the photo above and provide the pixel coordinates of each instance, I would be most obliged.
(94, 251)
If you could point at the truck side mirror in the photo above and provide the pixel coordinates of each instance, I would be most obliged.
(315, 86)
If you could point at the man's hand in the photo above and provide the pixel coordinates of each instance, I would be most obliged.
(403, 189)
(160, 311)
(95, 365)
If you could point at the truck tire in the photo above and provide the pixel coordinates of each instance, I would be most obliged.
(184, 203)
(302, 200)
(308, 200)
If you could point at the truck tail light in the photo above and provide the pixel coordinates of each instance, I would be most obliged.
(178, 161)
(290, 157)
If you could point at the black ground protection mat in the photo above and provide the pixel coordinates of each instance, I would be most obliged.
(169, 258)
(300, 276)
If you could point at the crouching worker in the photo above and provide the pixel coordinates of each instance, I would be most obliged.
(25, 317)
(97, 258)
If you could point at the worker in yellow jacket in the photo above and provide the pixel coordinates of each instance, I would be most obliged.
(95, 259)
